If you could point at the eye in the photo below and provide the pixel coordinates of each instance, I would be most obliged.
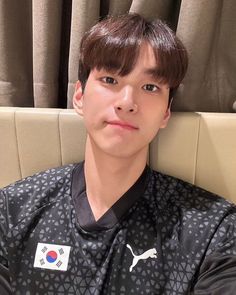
(109, 80)
(151, 87)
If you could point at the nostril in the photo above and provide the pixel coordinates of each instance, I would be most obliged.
(130, 109)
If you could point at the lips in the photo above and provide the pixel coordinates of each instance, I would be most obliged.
(122, 124)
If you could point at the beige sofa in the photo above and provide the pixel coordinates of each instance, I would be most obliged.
(197, 147)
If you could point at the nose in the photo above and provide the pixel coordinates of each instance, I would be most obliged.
(126, 102)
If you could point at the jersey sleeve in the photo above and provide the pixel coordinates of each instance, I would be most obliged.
(217, 274)
(5, 288)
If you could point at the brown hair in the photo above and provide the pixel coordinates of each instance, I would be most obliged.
(114, 43)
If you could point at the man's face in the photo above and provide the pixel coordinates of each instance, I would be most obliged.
(123, 114)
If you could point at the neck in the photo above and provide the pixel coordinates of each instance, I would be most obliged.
(108, 177)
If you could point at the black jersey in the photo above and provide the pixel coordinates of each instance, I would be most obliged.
(163, 236)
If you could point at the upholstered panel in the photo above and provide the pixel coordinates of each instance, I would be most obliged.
(73, 136)
(216, 164)
(9, 157)
(199, 148)
(174, 150)
(38, 139)
(33, 140)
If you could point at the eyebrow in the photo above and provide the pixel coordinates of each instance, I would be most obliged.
(155, 74)
(152, 72)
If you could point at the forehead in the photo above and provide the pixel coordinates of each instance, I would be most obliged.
(146, 60)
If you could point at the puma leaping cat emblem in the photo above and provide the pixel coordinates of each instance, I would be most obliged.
(151, 253)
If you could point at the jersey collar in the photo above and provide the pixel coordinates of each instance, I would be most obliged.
(112, 216)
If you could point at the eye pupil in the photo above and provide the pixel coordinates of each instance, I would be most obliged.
(150, 87)
(110, 80)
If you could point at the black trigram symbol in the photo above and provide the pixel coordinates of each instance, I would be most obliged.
(59, 263)
(44, 249)
(42, 262)
(61, 251)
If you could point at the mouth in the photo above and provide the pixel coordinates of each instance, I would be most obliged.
(122, 125)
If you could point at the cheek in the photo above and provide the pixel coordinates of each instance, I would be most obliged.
(153, 111)
(97, 97)
(154, 116)
(91, 106)
(94, 114)
(98, 104)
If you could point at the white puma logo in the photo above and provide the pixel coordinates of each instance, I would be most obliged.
(151, 253)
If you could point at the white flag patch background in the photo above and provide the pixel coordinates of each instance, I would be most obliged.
(51, 256)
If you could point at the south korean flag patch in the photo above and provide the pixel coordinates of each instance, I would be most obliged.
(51, 256)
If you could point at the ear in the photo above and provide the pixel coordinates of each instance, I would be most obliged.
(78, 98)
(167, 115)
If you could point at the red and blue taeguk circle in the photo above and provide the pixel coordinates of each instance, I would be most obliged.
(51, 256)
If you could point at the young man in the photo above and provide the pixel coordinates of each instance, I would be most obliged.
(111, 225)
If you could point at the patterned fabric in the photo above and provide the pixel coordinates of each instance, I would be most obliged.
(174, 239)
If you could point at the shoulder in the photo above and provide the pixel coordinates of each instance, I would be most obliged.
(177, 192)
(199, 220)
(26, 196)
(39, 182)
(194, 209)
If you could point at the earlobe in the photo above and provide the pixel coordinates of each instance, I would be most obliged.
(166, 118)
(78, 98)
(167, 115)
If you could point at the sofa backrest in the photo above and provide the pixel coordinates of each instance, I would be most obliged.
(197, 147)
